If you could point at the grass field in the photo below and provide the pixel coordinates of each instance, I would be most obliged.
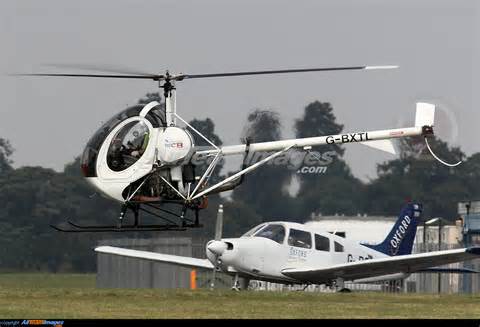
(63, 296)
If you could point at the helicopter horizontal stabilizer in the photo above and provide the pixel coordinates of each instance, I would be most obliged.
(383, 145)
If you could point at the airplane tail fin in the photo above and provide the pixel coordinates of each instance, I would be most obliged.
(400, 239)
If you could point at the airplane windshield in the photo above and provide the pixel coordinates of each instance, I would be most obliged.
(253, 230)
(273, 232)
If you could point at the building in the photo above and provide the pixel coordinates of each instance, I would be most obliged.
(120, 272)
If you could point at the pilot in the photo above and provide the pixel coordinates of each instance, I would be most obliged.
(139, 150)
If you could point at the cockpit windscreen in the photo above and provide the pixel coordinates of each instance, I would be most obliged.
(128, 145)
(274, 232)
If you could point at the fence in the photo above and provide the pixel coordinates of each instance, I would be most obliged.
(444, 282)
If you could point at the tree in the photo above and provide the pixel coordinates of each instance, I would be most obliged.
(417, 176)
(207, 128)
(149, 97)
(318, 119)
(32, 199)
(471, 176)
(335, 190)
(264, 189)
(6, 150)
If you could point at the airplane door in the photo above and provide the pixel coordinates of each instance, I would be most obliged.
(299, 248)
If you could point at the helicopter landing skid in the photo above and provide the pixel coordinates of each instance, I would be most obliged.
(74, 228)
(181, 224)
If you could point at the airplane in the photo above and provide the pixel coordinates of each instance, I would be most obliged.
(144, 157)
(292, 253)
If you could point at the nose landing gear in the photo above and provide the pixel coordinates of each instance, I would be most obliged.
(240, 283)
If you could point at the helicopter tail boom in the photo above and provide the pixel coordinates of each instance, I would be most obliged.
(423, 126)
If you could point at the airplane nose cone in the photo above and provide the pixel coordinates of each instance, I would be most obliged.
(217, 247)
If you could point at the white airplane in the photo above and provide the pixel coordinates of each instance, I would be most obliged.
(292, 253)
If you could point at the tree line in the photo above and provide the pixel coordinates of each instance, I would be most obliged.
(32, 198)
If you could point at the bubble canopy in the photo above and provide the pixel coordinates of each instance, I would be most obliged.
(127, 145)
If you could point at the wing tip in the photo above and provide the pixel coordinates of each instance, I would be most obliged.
(102, 248)
(474, 250)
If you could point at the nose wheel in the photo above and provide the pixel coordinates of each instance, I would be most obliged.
(240, 283)
(236, 283)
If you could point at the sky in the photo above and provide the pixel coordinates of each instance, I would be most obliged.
(48, 120)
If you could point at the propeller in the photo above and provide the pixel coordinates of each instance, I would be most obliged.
(215, 247)
(130, 74)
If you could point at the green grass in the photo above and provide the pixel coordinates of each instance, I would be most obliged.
(63, 296)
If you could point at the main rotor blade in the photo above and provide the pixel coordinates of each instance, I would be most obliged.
(102, 68)
(152, 77)
(282, 71)
(179, 77)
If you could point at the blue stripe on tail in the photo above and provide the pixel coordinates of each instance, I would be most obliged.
(400, 239)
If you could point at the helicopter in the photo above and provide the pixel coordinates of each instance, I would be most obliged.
(142, 156)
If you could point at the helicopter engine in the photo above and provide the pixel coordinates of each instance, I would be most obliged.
(134, 156)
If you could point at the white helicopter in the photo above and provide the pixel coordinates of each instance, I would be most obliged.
(142, 158)
(292, 253)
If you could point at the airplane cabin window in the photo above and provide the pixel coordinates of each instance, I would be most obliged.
(338, 247)
(322, 243)
(300, 239)
(273, 232)
(341, 234)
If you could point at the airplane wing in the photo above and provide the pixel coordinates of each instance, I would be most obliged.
(158, 257)
(449, 270)
(384, 266)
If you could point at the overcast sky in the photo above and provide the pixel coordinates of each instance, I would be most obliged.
(49, 120)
